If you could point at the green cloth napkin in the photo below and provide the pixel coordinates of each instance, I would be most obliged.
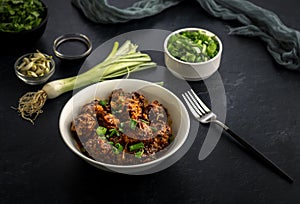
(99, 11)
(283, 43)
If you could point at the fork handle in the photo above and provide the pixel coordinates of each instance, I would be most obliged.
(255, 152)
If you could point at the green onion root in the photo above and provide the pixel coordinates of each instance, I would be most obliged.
(31, 104)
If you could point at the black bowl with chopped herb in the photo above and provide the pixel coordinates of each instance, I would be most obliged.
(22, 22)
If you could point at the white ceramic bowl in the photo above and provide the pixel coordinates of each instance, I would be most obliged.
(176, 109)
(192, 71)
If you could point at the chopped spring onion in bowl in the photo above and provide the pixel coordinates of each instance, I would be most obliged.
(193, 46)
(192, 54)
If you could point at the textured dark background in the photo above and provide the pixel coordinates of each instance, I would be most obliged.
(262, 105)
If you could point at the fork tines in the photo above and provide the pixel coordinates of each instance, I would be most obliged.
(195, 104)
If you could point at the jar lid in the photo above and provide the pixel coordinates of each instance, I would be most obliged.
(67, 38)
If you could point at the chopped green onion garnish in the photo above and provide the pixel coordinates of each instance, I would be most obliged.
(103, 102)
(136, 146)
(119, 147)
(193, 46)
(115, 150)
(114, 131)
(145, 121)
(139, 153)
(133, 124)
(101, 130)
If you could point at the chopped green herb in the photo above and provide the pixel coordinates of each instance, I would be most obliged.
(193, 46)
(113, 132)
(136, 146)
(103, 102)
(16, 16)
(101, 130)
(119, 147)
(121, 130)
(145, 121)
(133, 124)
(115, 150)
(139, 153)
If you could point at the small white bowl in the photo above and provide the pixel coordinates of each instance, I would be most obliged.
(192, 71)
(30, 79)
(176, 109)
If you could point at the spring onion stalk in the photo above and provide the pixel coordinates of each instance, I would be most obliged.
(121, 61)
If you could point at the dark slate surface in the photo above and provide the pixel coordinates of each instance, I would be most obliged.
(262, 105)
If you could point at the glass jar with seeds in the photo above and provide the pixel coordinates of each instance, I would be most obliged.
(35, 68)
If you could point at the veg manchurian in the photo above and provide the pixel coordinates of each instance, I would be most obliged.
(125, 129)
